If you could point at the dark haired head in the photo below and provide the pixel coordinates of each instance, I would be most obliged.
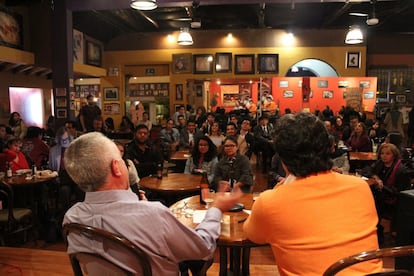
(303, 145)
(33, 132)
(89, 97)
(231, 138)
(140, 126)
(209, 155)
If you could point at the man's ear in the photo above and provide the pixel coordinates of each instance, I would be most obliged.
(116, 167)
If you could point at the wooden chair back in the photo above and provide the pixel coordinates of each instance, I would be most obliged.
(370, 255)
(12, 220)
(95, 263)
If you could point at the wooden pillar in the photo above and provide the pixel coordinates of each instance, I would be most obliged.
(62, 61)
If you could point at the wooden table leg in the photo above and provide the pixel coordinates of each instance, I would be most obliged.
(236, 261)
(223, 260)
(246, 261)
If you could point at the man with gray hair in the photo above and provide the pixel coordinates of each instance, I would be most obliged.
(95, 164)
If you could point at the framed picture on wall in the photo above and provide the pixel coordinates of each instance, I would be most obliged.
(182, 63)
(268, 63)
(244, 64)
(369, 95)
(322, 83)
(223, 62)
(400, 98)
(353, 59)
(203, 64)
(111, 94)
(93, 53)
(61, 102)
(179, 92)
(327, 94)
(287, 94)
(61, 113)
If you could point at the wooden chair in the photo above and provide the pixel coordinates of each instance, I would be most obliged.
(95, 264)
(13, 220)
(370, 255)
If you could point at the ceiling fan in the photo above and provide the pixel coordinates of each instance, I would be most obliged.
(372, 19)
(195, 23)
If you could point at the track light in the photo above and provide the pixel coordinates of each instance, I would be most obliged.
(185, 38)
(144, 5)
(354, 35)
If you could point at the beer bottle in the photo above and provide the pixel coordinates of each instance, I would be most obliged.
(204, 187)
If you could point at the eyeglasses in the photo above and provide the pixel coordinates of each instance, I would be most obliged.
(203, 145)
(229, 146)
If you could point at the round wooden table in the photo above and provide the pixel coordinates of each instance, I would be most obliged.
(173, 186)
(232, 236)
(21, 180)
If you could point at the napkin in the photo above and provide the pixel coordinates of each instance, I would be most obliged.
(199, 215)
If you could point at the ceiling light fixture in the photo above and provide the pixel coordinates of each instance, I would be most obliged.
(144, 5)
(185, 38)
(354, 35)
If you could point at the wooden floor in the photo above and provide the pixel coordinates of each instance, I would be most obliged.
(261, 258)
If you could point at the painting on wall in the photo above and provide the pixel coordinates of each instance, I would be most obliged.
(229, 95)
(244, 64)
(11, 33)
(268, 63)
(223, 62)
(93, 53)
(78, 46)
(181, 63)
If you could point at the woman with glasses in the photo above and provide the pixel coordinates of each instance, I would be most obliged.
(203, 158)
(233, 168)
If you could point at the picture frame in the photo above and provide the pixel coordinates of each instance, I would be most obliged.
(111, 94)
(61, 102)
(199, 91)
(93, 53)
(60, 92)
(78, 46)
(224, 62)
(11, 24)
(268, 63)
(111, 108)
(364, 84)
(179, 90)
(327, 94)
(353, 60)
(203, 64)
(343, 84)
(322, 83)
(287, 94)
(182, 63)
(244, 64)
(284, 83)
(61, 113)
(400, 98)
(369, 95)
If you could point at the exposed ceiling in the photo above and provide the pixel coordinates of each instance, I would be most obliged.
(109, 19)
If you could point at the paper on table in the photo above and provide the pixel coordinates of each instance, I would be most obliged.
(199, 215)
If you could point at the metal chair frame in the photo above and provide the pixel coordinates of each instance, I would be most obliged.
(370, 255)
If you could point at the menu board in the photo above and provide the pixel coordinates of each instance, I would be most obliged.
(148, 90)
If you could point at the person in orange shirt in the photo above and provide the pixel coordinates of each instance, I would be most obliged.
(318, 216)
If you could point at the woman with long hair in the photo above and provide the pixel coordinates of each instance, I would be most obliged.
(17, 125)
(215, 135)
(203, 158)
(359, 140)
